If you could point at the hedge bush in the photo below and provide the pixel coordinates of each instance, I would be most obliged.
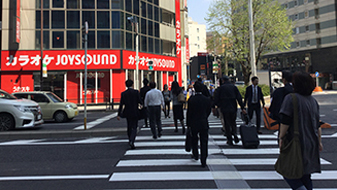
(264, 88)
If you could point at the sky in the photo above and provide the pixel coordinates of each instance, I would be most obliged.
(197, 9)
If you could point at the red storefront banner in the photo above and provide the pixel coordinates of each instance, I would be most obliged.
(160, 62)
(17, 22)
(178, 31)
(187, 51)
(60, 60)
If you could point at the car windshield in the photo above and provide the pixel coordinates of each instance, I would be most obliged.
(53, 97)
(6, 95)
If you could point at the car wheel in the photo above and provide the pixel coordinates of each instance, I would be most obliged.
(60, 116)
(6, 122)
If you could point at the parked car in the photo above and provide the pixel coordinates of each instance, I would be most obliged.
(51, 105)
(239, 83)
(15, 113)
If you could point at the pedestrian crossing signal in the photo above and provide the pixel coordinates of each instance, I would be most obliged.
(150, 64)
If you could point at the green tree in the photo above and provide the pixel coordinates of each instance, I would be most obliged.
(228, 19)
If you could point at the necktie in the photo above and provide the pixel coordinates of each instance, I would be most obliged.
(255, 95)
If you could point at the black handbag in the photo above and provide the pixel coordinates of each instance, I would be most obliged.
(289, 163)
(142, 113)
(188, 140)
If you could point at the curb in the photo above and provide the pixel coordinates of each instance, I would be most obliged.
(32, 134)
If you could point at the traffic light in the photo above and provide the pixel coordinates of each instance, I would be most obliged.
(150, 64)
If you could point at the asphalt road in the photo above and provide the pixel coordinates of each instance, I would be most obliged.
(108, 163)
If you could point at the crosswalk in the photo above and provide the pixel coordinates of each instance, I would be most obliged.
(164, 163)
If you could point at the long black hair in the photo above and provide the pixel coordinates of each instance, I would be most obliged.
(175, 88)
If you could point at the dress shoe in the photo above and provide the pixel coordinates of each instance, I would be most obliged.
(230, 143)
(132, 145)
(195, 157)
(236, 139)
(183, 130)
(159, 134)
(203, 164)
(154, 137)
(259, 132)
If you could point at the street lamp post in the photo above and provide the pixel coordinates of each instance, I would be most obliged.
(133, 20)
(252, 38)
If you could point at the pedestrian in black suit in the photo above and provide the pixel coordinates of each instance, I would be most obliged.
(198, 110)
(143, 92)
(226, 99)
(253, 96)
(128, 108)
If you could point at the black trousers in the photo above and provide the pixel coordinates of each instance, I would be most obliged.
(167, 109)
(203, 134)
(132, 129)
(257, 109)
(229, 124)
(154, 116)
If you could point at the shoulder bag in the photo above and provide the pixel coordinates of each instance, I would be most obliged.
(181, 97)
(289, 163)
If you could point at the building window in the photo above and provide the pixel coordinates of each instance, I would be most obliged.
(88, 4)
(305, 1)
(45, 4)
(116, 19)
(298, 44)
(318, 42)
(103, 4)
(58, 3)
(286, 5)
(316, 13)
(318, 28)
(149, 11)
(157, 46)
(129, 40)
(198, 46)
(156, 14)
(128, 6)
(117, 4)
(156, 30)
(103, 19)
(151, 45)
(91, 39)
(198, 38)
(144, 44)
(73, 4)
(198, 30)
(295, 3)
(90, 17)
(150, 28)
(58, 39)
(45, 19)
(73, 40)
(297, 30)
(45, 40)
(308, 42)
(136, 7)
(103, 39)
(295, 16)
(306, 14)
(307, 28)
(143, 8)
(58, 19)
(117, 39)
(316, 2)
(143, 26)
(73, 19)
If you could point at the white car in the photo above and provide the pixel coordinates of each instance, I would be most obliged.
(15, 113)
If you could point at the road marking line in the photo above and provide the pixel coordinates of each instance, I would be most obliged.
(182, 143)
(56, 177)
(96, 122)
(214, 175)
(185, 162)
(20, 142)
(167, 151)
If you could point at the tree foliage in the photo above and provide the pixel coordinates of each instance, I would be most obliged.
(228, 19)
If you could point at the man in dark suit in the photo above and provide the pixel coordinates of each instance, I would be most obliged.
(253, 96)
(143, 92)
(128, 108)
(198, 110)
(279, 94)
(226, 99)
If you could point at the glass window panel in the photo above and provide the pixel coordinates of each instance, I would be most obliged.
(151, 45)
(45, 4)
(58, 19)
(73, 40)
(143, 8)
(88, 4)
(156, 14)
(149, 11)
(150, 1)
(136, 7)
(128, 6)
(116, 19)
(117, 39)
(143, 26)
(91, 40)
(58, 39)
(129, 39)
(128, 24)
(103, 19)
(90, 17)
(117, 4)
(45, 19)
(156, 2)
(150, 28)
(143, 44)
(58, 3)
(156, 29)
(45, 40)
(73, 4)
(156, 46)
(103, 39)
(73, 19)
(103, 4)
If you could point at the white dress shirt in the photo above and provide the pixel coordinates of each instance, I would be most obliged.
(154, 97)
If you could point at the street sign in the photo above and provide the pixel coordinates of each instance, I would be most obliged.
(316, 73)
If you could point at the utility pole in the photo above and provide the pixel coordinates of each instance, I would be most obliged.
(252, 38)
(41, 47)
(133, 20)
(85, 31)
